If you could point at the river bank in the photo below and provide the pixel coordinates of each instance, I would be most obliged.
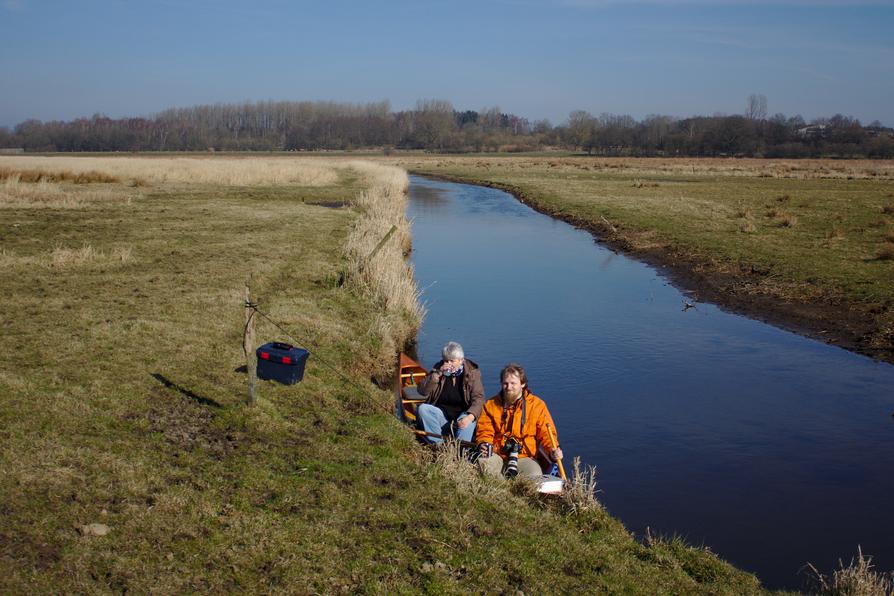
(801, 245)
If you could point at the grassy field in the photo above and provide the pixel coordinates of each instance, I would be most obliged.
(131, 461)
(809, 244)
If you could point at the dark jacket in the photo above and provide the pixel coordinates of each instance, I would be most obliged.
(473, 391)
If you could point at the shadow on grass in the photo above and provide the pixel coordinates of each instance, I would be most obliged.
(330, 204)
(183, 390)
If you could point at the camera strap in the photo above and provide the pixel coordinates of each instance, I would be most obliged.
(524, 417)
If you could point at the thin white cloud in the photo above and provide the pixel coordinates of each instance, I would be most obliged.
(14, 5)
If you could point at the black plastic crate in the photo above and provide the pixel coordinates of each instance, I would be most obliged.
(281, 362)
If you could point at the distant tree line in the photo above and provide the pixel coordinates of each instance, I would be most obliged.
(434, 125)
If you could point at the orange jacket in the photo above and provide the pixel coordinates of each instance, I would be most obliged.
(495, 425)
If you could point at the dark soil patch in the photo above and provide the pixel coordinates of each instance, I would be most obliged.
(331, 204)
(187, 422)
(29, 551)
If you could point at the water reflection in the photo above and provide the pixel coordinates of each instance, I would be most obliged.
(772, 449)
(427, 200)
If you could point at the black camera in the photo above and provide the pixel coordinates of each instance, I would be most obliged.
(512, 448)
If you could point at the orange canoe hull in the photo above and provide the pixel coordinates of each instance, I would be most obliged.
(410, 373)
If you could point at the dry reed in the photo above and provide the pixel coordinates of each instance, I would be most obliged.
(32, 176)
(46, 194)
(122, 253)
(857, 579)
(228, 171)
(386, 276)
(451, 462)
(62, 257)
(580, 489)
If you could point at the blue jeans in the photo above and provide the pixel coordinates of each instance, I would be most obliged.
(432, 419)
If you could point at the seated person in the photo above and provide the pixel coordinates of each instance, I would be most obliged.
(512, 425)
(453, 396)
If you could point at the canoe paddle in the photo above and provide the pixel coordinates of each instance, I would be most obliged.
(552, 439)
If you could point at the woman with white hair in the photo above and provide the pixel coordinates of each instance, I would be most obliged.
(454, 396)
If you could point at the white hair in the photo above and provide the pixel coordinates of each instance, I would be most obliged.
(452, 351)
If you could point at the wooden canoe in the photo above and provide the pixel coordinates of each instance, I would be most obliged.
(409, 374)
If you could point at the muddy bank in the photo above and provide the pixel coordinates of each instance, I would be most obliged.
(738, 288)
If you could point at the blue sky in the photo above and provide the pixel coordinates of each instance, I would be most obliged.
(535, 58)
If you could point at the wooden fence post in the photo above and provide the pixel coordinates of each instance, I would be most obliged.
(248, 346)
(378, 247)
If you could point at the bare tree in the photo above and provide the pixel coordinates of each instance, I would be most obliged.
(542, 126)
(581, 128)
(434, 121)
(490, 119)
(655, 128)
(757, 107)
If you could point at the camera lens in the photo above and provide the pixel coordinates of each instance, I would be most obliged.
(512, 465)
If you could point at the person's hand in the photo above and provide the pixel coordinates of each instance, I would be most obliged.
(465, 421)
(485, 449)
(556, 454)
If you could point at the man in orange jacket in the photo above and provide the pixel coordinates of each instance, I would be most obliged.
(512, 425)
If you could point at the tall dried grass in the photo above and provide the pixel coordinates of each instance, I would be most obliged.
(43, 193)
(857, 579)
(62, 257)
(57, 176)
(228, 171)
(387, 276)
(450, 461)
(580, 489)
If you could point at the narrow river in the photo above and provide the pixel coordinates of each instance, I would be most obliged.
(769, 448)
